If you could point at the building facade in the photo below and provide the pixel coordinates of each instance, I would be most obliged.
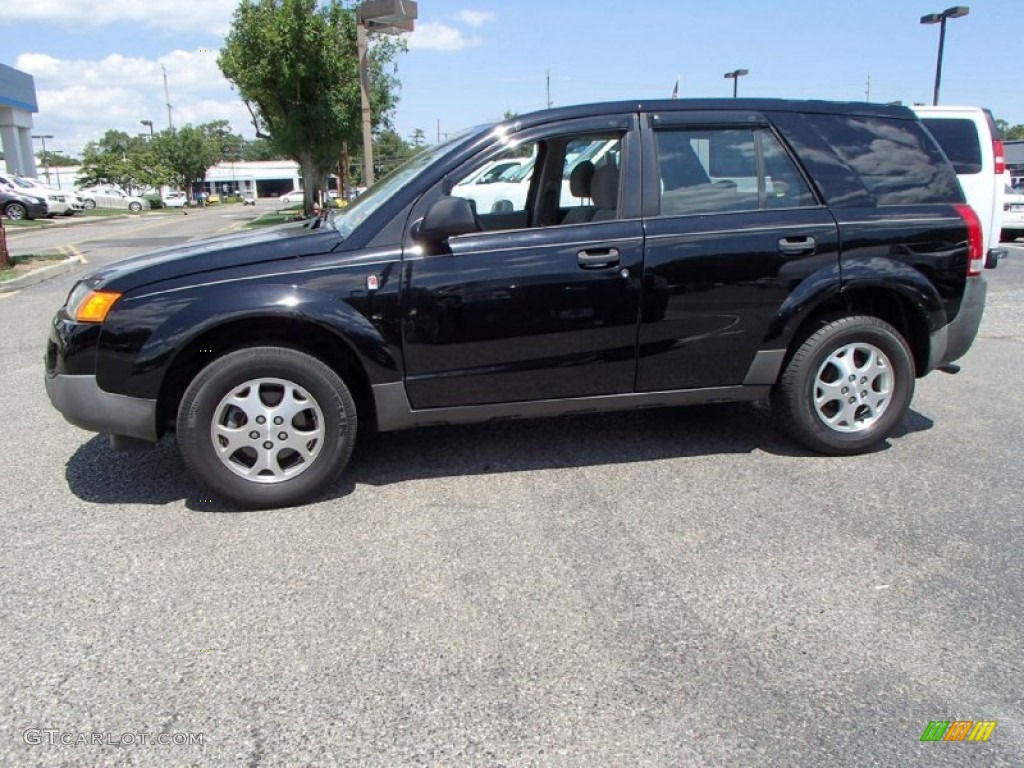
(17, 105)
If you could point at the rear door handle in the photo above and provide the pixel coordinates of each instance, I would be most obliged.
(598, 258)
(797, 246)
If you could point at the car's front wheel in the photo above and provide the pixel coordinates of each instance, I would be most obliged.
(847, 386)
(134, 207)
(15, 211)
(267, 426)
(88, 204)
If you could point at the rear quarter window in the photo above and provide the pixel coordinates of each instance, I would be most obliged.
(860, 160)
(959, 140)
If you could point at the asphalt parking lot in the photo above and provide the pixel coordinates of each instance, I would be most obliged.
(664, 588)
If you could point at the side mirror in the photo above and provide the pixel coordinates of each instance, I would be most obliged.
(448, 217)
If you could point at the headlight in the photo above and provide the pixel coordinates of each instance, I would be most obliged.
(88, 306)
(39, 199)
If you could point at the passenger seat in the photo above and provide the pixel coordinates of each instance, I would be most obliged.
(605, 190)
(579, 185)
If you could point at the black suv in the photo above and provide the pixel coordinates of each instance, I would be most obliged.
(652, 254)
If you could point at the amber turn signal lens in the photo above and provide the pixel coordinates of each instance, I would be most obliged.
(95, 307)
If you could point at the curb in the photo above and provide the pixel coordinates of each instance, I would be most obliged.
(40, 275)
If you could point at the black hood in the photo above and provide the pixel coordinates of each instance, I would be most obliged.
(274, 244)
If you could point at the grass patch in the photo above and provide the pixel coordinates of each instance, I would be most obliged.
(24, 223)
(22, 264)
(275, 217)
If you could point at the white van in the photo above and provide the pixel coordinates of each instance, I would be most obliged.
(970, 139)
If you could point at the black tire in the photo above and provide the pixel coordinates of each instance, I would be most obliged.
(88, 204)
(812, 370)
(203, 401)
(134, 207)
(16, 212)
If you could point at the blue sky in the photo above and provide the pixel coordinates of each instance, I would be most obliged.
(97, 62)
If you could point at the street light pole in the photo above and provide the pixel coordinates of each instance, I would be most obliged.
(940, 18)
(385, 17)
(735, 75)
(46, 157)
(56, 169)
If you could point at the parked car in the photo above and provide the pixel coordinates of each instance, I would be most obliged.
(1013, 214)
(817, 255)
(111, 197)
(175, 199)
(212, 199)
(57, 202)
(971, 140)
(17, 206)
(249, 199)
(295, 196)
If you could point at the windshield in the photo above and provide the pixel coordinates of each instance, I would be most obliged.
(354, 214)
(22, 183)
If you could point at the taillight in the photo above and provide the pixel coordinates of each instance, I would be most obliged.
(997, 150)
(975, 249)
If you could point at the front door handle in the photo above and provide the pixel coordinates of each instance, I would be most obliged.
(598, 258)
(797, 246)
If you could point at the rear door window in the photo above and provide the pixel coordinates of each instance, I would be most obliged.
(721, 170)
(959, 140)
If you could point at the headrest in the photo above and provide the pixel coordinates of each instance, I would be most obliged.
(580, 178)
(604, 187)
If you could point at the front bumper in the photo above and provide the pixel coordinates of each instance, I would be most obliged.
(953, 340)
(81, 401)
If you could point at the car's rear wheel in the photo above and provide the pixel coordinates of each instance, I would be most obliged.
(267, 426)
(15, 211)
(134, 207)
(847, 386)
(88, 204)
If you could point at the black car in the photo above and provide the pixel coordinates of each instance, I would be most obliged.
(816, 254)
(16, 206)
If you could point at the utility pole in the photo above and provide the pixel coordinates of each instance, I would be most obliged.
(167, 99)
(547, 74)
(867, 89)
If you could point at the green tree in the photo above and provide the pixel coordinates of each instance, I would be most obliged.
(295, 65)
(261, 149)
(418, 138)
(187, 153)
(125, 161)
(1010, 132)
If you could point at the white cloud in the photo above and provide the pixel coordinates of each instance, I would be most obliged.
(80, 99)
(213, 16)
(474, 18)
(435, 36)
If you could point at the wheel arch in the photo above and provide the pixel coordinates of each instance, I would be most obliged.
(297, 333)
(897, 306)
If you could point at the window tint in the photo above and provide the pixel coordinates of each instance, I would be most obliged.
(895, 161)
(784, 186)
(716, 171)
(687, 160)
(959, 140)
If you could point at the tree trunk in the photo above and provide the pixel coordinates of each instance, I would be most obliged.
(308, 182)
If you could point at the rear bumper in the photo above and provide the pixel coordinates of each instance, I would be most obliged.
(81, 401)
(952, 341)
